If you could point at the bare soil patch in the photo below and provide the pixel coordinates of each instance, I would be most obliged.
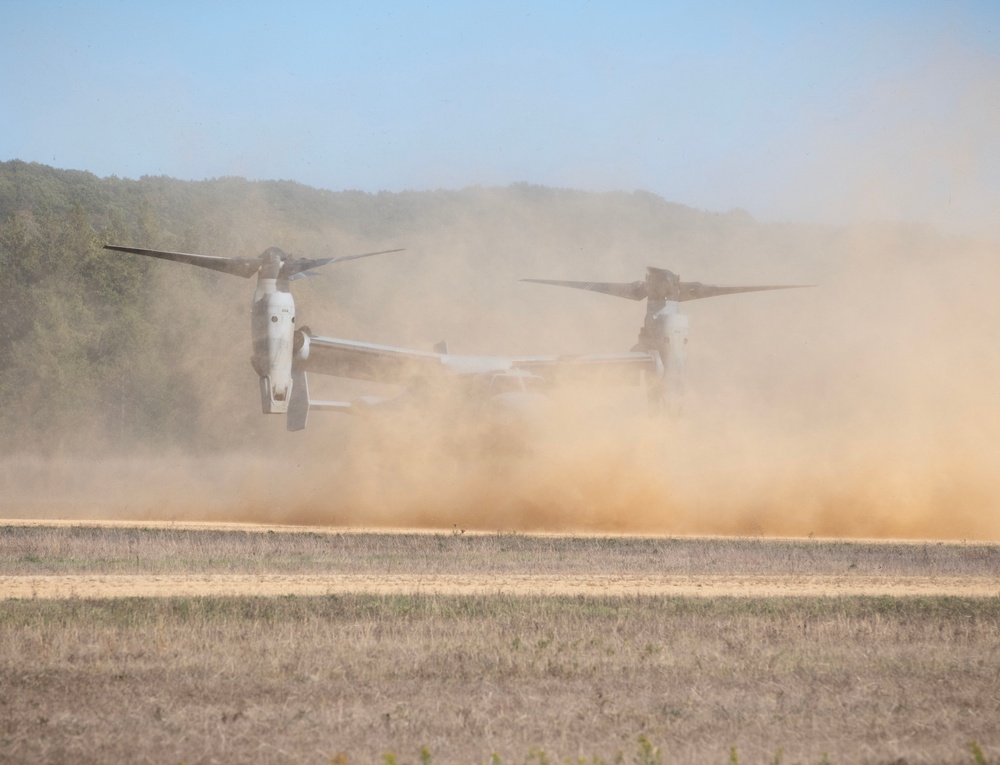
(214, 585)
(96, 560)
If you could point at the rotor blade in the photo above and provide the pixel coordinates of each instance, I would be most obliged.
(629, 290)
(245, 267)
(697, 290)
(304, 264)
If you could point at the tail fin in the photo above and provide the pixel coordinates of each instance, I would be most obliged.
(298, 404)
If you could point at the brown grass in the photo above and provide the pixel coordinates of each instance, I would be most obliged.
(94, 549)
(300, 679)
(304, 679)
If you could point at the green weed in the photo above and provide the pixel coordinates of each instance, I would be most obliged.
(649, 754)
(977, 753)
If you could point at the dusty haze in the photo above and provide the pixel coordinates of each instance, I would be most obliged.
(866, 406)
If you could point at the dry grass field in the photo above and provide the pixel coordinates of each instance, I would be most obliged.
(514, 677)
(81, 547)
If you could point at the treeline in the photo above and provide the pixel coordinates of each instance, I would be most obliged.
(76, 364)
(104, 351)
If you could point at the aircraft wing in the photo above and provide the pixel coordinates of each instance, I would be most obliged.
(399, 366)
(369, 361)
(402, 366)
(594, 368)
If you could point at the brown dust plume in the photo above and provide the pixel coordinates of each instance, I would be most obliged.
(865, 406)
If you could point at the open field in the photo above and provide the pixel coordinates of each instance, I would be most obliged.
(877, 677)
(91, 547)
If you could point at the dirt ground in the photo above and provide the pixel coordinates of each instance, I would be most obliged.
(152, 585)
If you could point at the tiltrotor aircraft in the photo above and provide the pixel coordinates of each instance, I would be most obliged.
(284, 354)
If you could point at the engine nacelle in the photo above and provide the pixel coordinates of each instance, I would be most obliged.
(675, 335)
(665, 335)
(272, 325)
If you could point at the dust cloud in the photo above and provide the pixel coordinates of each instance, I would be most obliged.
(866, 406)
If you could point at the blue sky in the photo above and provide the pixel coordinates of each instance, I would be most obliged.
(794, 111)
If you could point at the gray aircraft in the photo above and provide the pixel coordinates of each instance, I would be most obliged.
(284, 354)
(664, 334)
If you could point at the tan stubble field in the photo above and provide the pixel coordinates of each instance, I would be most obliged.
(308, 644)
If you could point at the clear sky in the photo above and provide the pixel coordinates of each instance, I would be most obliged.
(826, 111)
